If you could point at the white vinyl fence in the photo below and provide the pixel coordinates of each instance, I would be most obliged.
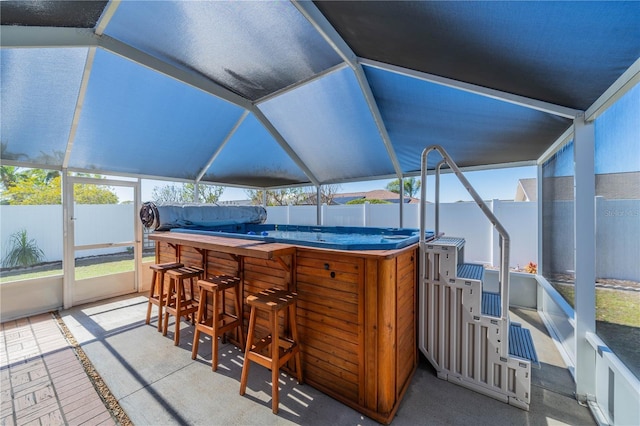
(464, 219)
(94, 224)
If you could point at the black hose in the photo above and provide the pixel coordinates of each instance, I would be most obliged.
(149, 215)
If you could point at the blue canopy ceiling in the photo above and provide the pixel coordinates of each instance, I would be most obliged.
(271, 94)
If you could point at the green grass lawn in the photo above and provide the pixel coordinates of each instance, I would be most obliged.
(617, 321)
(30, 275)
(612, 306)
(82, 272)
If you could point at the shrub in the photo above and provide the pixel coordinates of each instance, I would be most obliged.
(370, 201)
(22, 251)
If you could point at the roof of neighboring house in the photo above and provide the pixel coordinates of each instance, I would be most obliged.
(527, 190)
(618, 186)
(612, 186)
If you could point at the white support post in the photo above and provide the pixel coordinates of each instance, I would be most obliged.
(139, 239)
(196, 192)
(68, 240)
(540, 292)
(364, 213)
(494, 239)
(401, 212)
(585, 258)
(318, 205)
(540, 221)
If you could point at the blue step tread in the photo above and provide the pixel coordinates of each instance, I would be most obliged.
(521, 344)
(449, 241)
(471, 271)
(491, 304)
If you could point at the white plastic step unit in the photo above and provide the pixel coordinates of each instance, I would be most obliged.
(461, 325)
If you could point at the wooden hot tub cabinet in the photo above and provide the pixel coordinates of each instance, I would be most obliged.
(356, 310)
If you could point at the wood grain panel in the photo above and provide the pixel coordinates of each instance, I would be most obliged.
(355, 313)
(335, 385)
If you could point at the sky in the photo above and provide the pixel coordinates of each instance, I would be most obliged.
(490, 184)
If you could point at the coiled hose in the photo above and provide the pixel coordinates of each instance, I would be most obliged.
(149, 215)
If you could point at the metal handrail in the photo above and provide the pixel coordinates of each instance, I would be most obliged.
(504, 236)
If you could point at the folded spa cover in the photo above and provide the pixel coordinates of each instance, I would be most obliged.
(168, 216)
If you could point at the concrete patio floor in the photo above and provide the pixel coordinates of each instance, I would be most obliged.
(157, 383)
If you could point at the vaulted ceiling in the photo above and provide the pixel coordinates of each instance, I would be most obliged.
(271, 94)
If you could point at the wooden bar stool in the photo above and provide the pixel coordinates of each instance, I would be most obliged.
(178, 304)
(156, 293)
(282, 349)
(221, 321)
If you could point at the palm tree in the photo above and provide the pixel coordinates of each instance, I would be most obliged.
(8, 176)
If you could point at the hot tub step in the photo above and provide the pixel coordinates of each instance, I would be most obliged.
(491, 304)
(471, 271)
(521, 344)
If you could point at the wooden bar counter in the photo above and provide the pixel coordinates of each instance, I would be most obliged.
(356, 309)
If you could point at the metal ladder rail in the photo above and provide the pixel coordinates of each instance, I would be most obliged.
(504, 235)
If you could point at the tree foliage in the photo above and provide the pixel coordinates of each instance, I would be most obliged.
(411, 186)
(277, 197)
(370, 201)
(327, 194)
(182, 193)
(8, 176)
(38, 186)
(94, 194)
(293, 196)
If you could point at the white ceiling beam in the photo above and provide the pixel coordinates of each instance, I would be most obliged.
(222, 145)
(107, 14)
(28, 165)
(480, 168)
(304, 82)
(622, 85)
(88, 65)
(183, 74)
(331, 36)
(285, 145)
(559, 143)
(39, 37)
(111, 173)
(34, 37)
(542, 106)
(326, 30)
(203, 83)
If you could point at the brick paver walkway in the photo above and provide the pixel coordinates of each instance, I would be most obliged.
(43, 382)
